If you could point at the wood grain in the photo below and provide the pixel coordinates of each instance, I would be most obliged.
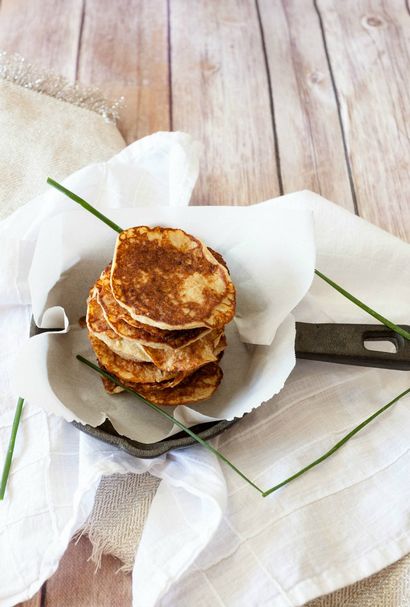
(43, 31)
(220, 95)
(77, 583)
(124, 49)
(368, 44)
(280, 93)
(34, 602)
(310, 144)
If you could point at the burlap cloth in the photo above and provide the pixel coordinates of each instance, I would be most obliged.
(48, 127)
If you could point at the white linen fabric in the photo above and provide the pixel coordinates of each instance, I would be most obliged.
(209, 538)
(56, 469)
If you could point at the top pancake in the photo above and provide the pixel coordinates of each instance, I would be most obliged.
(169, 279)
(124, 325)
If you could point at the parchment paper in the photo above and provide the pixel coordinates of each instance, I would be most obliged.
(270, 253)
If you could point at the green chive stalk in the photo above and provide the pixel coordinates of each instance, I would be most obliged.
(363, 306)
(86, 205)
(385, 321)
(10, 450)
(339, 444)
(218, 454)
(169, 417)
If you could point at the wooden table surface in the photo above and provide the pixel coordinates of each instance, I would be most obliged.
(283, 94)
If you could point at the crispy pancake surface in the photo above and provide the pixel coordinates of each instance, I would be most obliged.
(111, 387)
(99, 328)
(94, 319)
(130, 370)
(191, 357)
(119, 319)
(168, 279)
(195, 388)
(196, 354)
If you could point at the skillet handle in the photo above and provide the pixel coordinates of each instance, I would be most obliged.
(344, 344)
(339, 343)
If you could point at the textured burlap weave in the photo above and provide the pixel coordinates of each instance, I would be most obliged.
(48, 128)
(117, 520)
(116, 523)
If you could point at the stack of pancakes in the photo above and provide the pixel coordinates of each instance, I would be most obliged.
(157, 313)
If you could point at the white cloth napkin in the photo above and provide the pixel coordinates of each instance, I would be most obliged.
(210, 538)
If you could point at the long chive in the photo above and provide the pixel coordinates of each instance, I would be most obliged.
(10, 450)
(385, 321)
(169, 417)
(329, 281)
(86, 205)
(17, 416)
(363, 306)
(337, 445)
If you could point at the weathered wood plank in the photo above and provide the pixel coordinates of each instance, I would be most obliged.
(369, 48)
(306, 114)
(220, 95)
(34, 602)
(124, 50)
(77, 582)
(46, 33)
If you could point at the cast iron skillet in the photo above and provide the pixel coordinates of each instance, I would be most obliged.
(335, 343)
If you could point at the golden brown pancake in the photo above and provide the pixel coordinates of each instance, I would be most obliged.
(98, 327)
(168, 279)
(186, 359)
(219, 258)
(195, 388)
(124, 325)
(95, 320)
(130, 370)
(111, 387)
(200, 352)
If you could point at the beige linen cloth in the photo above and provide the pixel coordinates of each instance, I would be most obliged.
(48, 127)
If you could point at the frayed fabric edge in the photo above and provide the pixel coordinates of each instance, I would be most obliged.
(16, 69)
(99, 548)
